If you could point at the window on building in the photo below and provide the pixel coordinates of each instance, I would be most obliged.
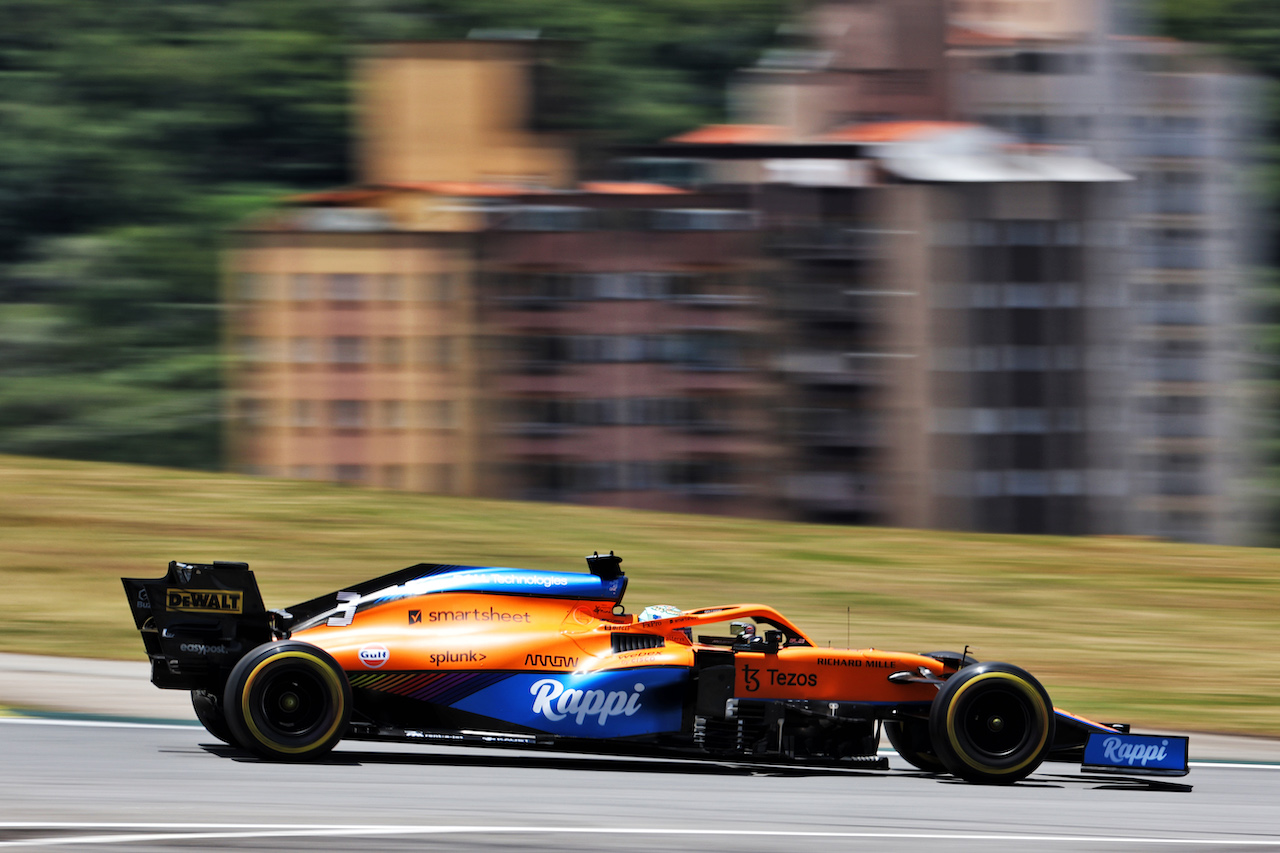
(439, 478)
(348, 350)
(251, 350)
(438, 414)
(347, 414)
(1026, 240)
(391, 414)
(391, 351)
(703, 220)
(252, 412)
(1027, 483)
(303, 413)
(252, 286)
(346, 287)
(1027, 421)
(1026, 358)
(709, 350)
(546, 218)
(350, 474)
(391, 287)
(302, 287)
(302, 350)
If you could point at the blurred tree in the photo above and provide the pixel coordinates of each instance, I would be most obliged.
(1249, 32)
(133, 132)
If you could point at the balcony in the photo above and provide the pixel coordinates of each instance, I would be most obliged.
(826, 242)
(1178, 484)
(1175, 370)
(833, 429)
(1178, 426)
(538, 429)
(830, 492)
(834, 368)
(1169, 313)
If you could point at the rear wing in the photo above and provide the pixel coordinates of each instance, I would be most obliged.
(197, 621)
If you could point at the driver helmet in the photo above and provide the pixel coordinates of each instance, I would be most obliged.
(659, 611)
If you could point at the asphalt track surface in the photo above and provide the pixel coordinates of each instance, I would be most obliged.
(79, 784)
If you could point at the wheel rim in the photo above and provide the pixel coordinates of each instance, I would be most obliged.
(292, 703)
(997, 724)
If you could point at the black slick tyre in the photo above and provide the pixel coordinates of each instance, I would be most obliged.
(208, 708)
(910, 738)
(288, 701)
(991, 723)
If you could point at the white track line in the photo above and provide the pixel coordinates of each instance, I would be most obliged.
(95, 724)
(113, 724)
(206, 832)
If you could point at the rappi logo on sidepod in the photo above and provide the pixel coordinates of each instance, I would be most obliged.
(374, 655)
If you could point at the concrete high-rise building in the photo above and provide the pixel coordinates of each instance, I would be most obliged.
(947, 300)
(468, 321)
(1083, 75)
(354, 313)
(962, 270)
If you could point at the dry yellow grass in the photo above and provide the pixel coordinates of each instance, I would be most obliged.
(1155, 633)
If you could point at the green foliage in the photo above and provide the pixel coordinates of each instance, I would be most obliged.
(1090, 616)
(132, 133)
(1247, 31)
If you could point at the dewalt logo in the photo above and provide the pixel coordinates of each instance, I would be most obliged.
(204, 601)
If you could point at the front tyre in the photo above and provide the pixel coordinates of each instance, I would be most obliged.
(991, 723)
(288, 701)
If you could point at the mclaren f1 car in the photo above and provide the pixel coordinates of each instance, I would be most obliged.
(499, 656)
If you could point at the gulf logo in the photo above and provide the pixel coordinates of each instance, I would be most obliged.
(374, 655)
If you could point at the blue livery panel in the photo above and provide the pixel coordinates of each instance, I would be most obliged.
(507, 582)
(625, 703)
(1152, 755)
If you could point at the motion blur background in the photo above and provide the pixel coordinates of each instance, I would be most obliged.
(997, 265)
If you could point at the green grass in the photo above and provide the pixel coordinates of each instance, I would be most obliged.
(1155, 633)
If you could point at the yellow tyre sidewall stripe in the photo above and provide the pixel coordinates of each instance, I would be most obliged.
(329, 675)
(1012, 681)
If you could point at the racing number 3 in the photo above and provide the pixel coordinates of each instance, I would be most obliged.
(347, 614)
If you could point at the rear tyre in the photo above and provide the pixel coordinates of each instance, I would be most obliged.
(209, 712)
(910, 737)
(288, 701)
(991, 723)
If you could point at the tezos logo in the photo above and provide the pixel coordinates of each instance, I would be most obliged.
(374, 656)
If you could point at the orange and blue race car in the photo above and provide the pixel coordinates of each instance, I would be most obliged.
(512, 657)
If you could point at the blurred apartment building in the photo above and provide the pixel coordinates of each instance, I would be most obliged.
(470, 321)
(1078, 77)
(1081, 73)
(855, 309)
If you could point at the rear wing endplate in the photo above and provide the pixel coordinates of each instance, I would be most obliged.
(197, 621)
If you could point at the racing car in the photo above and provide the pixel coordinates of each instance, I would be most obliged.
(499, 656)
